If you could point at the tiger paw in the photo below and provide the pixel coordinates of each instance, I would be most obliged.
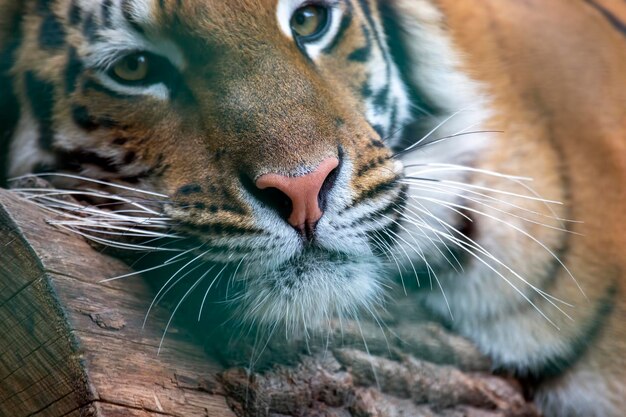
(352, 383)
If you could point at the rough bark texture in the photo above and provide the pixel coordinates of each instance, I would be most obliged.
(73, 345)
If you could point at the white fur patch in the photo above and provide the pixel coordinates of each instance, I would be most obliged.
(141, 11)
(158, 91)
(284, 11)
(26, 152)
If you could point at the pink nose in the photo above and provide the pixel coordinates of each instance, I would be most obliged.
(303, 191)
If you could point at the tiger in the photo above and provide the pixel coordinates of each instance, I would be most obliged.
(331, 147)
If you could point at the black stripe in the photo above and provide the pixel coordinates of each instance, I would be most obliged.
(366, 90)
(613, 20)
(126, 12)
(40, 96)
(189, 189)
(87, 122)
(220, 229)
(346, 21)
(51, 32)
(360, 55)
(76, 159)
(233, 209)
(106, 13)
(129, 157)
(590, 331)
(81, 117)
(370, 19)
(374, 192)
(379, 42)
(373, 164)
(376, 143)
(377, 215)
(162, 6)
(43, 6)
(388, 209)
(364, 53)
(90, 28)
(400, 56)
(74, 14)
(73, 69)
(393, 118)
(381, 98)
(9, 105)
(212, 208)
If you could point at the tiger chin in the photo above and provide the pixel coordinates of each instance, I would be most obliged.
(319, 147)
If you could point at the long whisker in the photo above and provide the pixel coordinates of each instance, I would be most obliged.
(446, 138)
(169, 322)
(171, 261)
(209, 289)
(170, 279)
(387, 232)
(523, 232)
(441, 240)
(494, 190)
(466, 241)
(480, 197)
(119, 245)
(87, 193)
(457, 207)
(427, 135)
(405, 253)
(443, 167)
(87, 179)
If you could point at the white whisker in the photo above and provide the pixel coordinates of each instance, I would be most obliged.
(87, 179)
(170, 279)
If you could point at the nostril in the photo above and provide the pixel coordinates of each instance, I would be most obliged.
(277, 200)
(271, 197)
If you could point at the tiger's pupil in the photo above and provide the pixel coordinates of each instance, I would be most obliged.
(300, 18)
(133, 64)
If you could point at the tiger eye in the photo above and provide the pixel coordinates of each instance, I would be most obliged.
(131, 68)
(309, 21)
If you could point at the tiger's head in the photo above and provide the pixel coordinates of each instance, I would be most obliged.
(269, 126)
(319, 146)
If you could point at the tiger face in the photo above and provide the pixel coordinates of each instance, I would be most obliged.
(269, 127)
(266, 124)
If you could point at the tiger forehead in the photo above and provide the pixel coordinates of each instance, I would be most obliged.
(226, 21)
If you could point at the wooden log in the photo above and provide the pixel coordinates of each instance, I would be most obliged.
(74, 345)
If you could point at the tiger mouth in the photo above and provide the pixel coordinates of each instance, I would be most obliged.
(312, 260)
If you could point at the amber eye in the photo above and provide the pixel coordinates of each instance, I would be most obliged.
(133, 68)
(309, 22)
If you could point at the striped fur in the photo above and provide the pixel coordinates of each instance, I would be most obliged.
(438, 110)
